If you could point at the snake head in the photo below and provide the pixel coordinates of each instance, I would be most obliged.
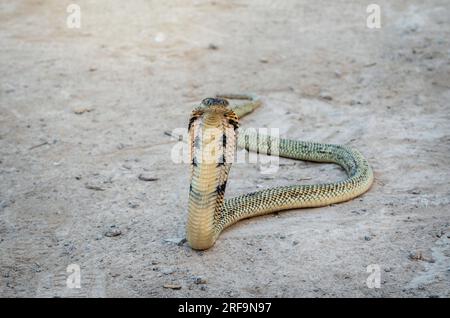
(212, 102)
(214, 105)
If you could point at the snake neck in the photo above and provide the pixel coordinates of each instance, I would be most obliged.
(213, 142)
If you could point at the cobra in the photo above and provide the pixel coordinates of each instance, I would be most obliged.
(213, 138)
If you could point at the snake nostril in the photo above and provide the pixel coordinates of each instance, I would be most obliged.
(210, 101)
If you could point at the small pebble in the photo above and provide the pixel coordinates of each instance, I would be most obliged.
(113, 232)
(198, 280)
(145, 177)
(93, 187)
(326, 96)
(172, 286)
(176, 240)
(167, 271)
(418, 256)
(133, 205)
(81, 111)
(212, 46)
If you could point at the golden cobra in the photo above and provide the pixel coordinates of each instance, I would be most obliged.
(213, 138)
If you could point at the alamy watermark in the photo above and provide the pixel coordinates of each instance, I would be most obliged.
(73, 20)
(210, 146)
(374, 18)
(374, 279)
(74, 278)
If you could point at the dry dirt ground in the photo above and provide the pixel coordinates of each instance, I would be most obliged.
(83, 113)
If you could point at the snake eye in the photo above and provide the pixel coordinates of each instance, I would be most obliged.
(214, 102)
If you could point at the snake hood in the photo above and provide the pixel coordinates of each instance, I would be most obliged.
(212, 139)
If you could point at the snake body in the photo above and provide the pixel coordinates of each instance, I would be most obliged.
(213, 137)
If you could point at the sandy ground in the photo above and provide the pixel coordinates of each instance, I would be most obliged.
(69, 182)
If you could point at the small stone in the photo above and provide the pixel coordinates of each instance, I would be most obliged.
(198, 280)
(172, 286)
(133, 205)
(264, 60)
(145, 177)
(295, 243)
(212, 46)
(176, 240)
(326, 96)
(167, 271)
(113, 232)
(415, 256)
(93, 187)
(37, 268)
(80, 111)
(418, 256)
(387, 269)
(367, 238)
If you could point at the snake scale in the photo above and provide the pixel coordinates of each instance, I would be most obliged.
(213, 138)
